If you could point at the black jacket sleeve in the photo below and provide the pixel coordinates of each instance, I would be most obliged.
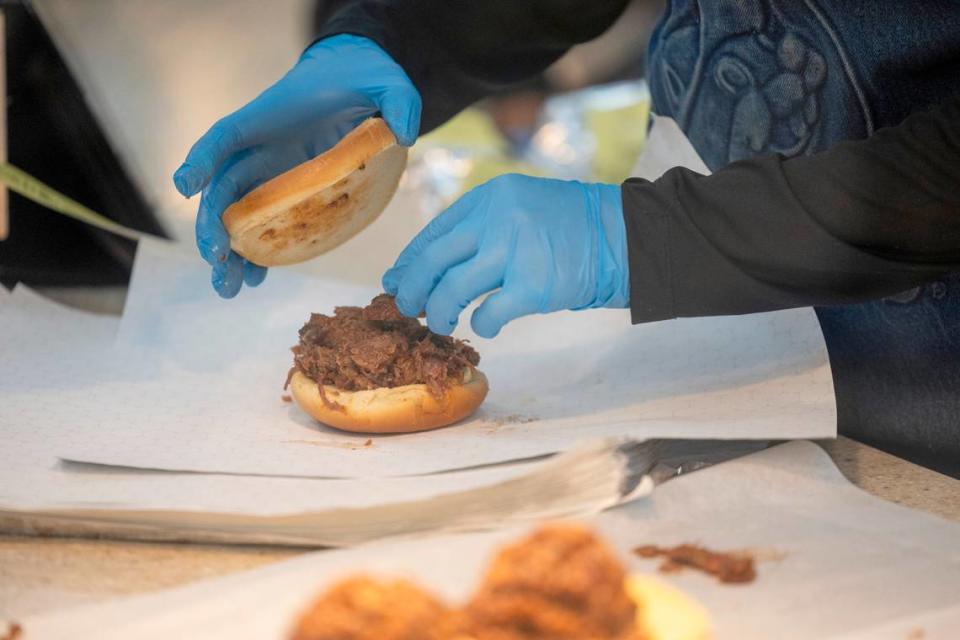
(458, 51)
(860, 221)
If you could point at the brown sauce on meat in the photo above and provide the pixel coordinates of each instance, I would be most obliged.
(376, 346)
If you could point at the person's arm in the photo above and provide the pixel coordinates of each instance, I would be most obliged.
(458, 51)
(863, 220)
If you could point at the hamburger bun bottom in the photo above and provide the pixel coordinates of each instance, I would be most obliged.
(405, 409)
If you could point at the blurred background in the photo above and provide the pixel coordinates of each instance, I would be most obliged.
(104, 98)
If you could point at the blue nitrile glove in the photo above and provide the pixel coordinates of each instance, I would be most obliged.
(546, 244)
(336, 84)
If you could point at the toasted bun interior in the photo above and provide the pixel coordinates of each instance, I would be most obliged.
(321, 203)
(390, 410)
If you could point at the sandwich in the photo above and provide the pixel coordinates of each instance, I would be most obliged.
(373, 370)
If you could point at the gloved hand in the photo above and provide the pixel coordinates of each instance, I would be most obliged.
(547, 244)
(337, 83)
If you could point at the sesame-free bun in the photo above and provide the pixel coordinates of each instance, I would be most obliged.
(321, 203)
(390, 409)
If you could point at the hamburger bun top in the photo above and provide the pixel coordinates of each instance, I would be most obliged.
(320, 204)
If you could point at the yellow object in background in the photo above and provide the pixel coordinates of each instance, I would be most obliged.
(666, 613)
(620, 135)
(616, 132)
(30, 188)
(473, 131)
(471, 128)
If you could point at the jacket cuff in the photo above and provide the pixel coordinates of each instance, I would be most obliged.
(648, 250)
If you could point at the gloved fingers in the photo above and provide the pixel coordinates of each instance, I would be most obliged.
(439, 226)
(501, 307)
(272, 116)
(213, 241)
(227, 276)
(382, 81)
(336, 128)
(460, 286)
(242, 173)
(253, 274)
(207, 154)
(400, 107)
(335, 75)
(426, 270)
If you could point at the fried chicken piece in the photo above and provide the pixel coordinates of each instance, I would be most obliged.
(561, 583)
(360, 608)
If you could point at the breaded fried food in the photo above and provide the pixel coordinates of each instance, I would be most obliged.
(561, 583)
(360, 608)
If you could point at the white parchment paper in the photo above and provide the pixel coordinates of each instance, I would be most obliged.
(191, 368)
(37, 490)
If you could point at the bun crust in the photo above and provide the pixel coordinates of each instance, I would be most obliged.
(321, 203)
(403, 409)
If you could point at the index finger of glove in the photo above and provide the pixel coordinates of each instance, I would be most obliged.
(428, 268)
(441, 225)
(273, 114)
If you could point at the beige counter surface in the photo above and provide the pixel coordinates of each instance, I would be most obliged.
(42, 574)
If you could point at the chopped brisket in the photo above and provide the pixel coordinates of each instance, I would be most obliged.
(377, 346)
(726, 567)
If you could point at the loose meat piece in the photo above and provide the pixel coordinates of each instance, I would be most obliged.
(376, 346)
(726, 567)
(383, 309)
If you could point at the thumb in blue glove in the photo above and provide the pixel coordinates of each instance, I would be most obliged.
(336, 84)
(547, 245)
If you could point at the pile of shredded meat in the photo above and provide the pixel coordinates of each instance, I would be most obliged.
(376, 346)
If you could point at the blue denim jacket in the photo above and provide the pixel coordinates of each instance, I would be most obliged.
(749, 77)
